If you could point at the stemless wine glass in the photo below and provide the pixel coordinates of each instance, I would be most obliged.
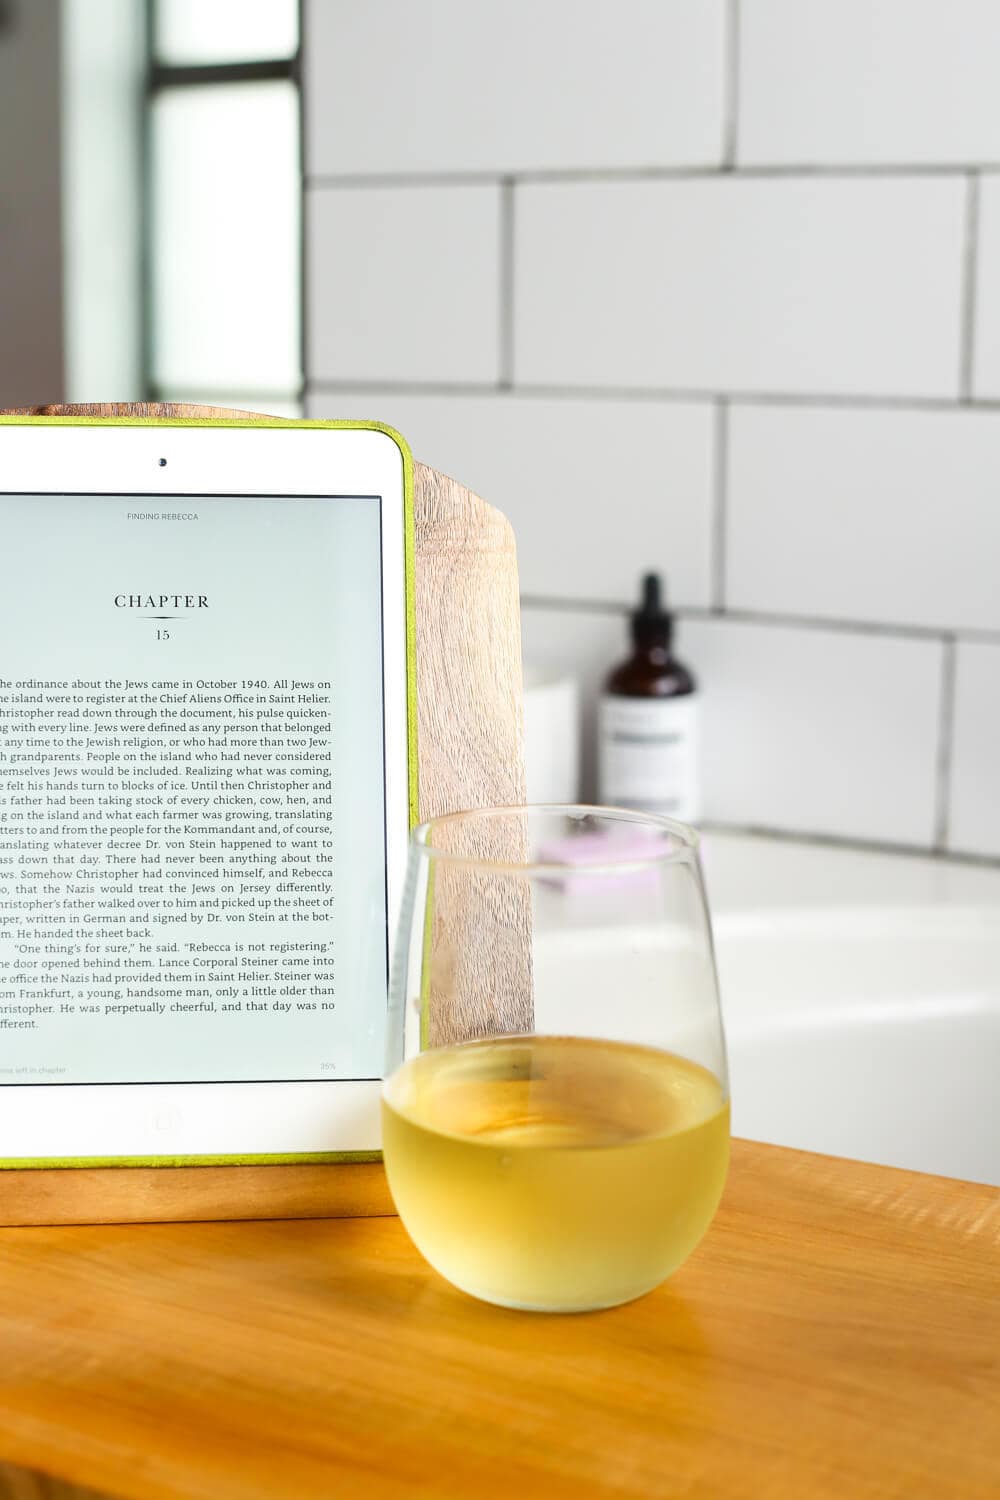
(556, 1105)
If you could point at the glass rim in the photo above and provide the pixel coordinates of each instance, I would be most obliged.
(688, 839)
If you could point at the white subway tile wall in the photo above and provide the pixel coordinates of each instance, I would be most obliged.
(833, 285)
(431, 86)
(868, 82)
(708, 286)
(639, 472)
(974, 813)
(986, 331)
(404, 283)
(818, 731)
(884, 516)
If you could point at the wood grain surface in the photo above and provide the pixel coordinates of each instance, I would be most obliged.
(837, 1334)
(469, 727)
(17, 1483)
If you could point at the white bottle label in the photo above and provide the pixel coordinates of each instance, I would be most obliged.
(648, 754)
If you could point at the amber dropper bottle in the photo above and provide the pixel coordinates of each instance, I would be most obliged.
(648, 721)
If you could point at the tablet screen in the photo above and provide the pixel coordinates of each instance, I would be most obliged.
(192, 789)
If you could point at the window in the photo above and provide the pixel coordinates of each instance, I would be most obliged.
(223, 204)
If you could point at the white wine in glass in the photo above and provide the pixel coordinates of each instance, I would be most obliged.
(560, 1143)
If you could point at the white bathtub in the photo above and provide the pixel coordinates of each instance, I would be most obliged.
(861, 997)
(867, 1033)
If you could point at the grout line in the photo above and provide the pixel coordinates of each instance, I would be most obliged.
(771, 619)
(946, 736)
(505, 311)
(970, 273)
(429, 388)
(731, 85)
(648, 173)
(588, 606)
(720, 507)
(843, 400)
(323, 180)
(526, 390)
(841, 841)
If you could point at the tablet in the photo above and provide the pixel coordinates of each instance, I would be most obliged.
(207, 778)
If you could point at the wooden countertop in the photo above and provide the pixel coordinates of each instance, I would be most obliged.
(836, 1334)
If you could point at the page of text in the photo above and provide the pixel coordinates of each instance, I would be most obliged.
(192, 839)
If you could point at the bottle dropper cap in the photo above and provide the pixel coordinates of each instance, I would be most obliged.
(652, 623)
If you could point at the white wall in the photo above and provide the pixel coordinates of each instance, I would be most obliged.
(31, 365)
(710, 286)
